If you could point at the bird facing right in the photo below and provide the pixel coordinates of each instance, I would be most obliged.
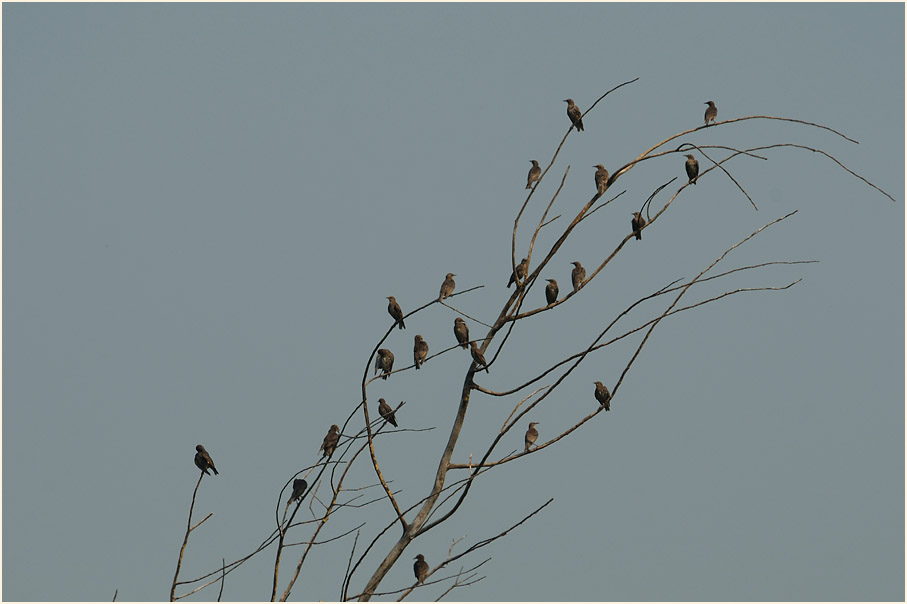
(203, 461)
(711, 112)
(519, 273)
(603, 396)
(447, 287)
(534, 173)
(532, 435)
(330, 441)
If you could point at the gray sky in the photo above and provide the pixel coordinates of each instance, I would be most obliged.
(205, 205)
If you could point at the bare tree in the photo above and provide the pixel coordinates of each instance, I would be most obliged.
(330, 499)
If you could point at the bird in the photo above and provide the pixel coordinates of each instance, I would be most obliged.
(692, 169)
(711, 113)
(420, 350)
(420, 568)
(478, 357)
(386, 412)
(520, 272)
(637, 222)
(601, 179)
(532, 435)
(395, 311)
(203, 460)
(551, 291)
(461, 332)
(447, 287)
(578, 275)
(534, 173)
(574, 114)
(603, 396)
(384, 361)
(299, 487)
(330, 441)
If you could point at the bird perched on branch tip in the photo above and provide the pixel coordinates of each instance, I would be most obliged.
(203, 460)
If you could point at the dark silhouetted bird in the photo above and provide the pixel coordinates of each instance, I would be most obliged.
(299, 487)
(395, 311)
(420, 350)
(448, 286)
(534, 173)
(203, 460)
(384, 361)
(386, 412)
(578, 275)
(478, 357)
(711, 113)
(330, 441)
(461, 332)
(520, 272)
(420, 568)
(603, 396)
(532, 435)
(637, 222)
(601, 179)
(574, 114)
(692, 169)
(551, 291)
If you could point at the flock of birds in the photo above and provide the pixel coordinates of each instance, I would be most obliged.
(384, 361)
(601, 174)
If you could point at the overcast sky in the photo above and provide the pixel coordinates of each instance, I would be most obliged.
(204, 207)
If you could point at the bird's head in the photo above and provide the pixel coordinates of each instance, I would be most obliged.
(199, 448)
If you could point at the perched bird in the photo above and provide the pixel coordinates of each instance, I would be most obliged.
(711, 113)
(420, 350)
(384, 361)
(574, 114)
(299, 487)
(532, 435)
(420, 568)
(330, 441)
(386, 412)
(603, 396)
(203, 460)
(448, 286)
(578, 275)
(395, 311)
(692, 169)
(637, 222)
(520, 272)
(534, 173)
(601, 179)
(461, 332)
(478, 357)
(551, 291)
